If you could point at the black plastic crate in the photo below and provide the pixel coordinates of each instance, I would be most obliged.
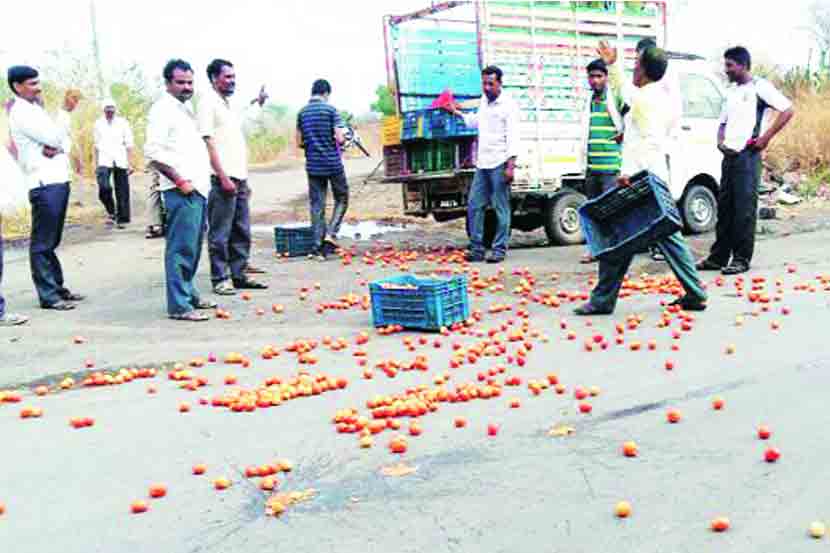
(293, 241)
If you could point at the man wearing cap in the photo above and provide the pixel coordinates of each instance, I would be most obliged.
(113, 155)
(41, 154)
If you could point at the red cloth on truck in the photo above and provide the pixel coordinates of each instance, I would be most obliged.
(445, 99)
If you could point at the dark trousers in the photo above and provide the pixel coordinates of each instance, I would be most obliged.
(183, 248)
(229, 231)
(118, 208)
(49, 205)
(489, 189)
(679, 258)
(2, 300)
(737, 209)
(317, 190)
(597, 183)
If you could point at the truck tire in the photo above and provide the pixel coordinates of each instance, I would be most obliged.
(699, 209)
(562, 219)
(490, 224)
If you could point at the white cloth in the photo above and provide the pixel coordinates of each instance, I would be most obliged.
(219, 121)
(741, 110)
(13, 190)
(173, 138)
(648, 127)
(498, 130)
(31, 129)
(112, 140)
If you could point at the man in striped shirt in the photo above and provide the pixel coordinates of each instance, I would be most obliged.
(604, 134)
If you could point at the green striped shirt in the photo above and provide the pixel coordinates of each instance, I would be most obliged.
(603, 151)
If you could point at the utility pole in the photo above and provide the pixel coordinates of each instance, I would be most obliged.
(96, 52)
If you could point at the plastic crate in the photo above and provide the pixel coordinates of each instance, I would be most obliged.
(627, 219)
(391, 131)
(426, 304)
(393, 160)
(430, 156)
(293, 241)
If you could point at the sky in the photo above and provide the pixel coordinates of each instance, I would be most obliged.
(287, 44)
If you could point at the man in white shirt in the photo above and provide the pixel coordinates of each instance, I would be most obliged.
(742, 140)
(113, 156)
(176, 150)
(497, 121)
(229, 221)
(41, 154)
(648, 127)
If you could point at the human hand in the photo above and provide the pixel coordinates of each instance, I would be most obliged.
(619, 138)
(509, 173)
(624, 180)
(607, 53)
(759, 144)
(185, 187)
(228, 186)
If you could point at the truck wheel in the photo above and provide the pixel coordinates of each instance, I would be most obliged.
(490, 224)
(699, 209)
(562, 219)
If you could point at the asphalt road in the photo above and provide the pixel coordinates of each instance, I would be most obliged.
(70, 490)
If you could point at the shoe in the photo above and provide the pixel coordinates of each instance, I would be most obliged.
(318, 255)
(330, 245)
(587, 259)
(251, 270)
(202, 304)
(154, 231)
(494, 258)
(120, 226)
(473, 257)
(224, 288)
(191, 316)
(59, 306)
(71, 296)
(588, 310)
(689, 304)
(657, 255)
(707, 265)
(13, 319)
(249, 284)
(735, 268)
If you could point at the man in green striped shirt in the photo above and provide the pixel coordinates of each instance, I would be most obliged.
(604, 134)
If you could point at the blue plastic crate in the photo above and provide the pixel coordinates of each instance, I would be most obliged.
(426, 303)
(294, 241)
(627, 219)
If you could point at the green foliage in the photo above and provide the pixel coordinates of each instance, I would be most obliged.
(385, 103)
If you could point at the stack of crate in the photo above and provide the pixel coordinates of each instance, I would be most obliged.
(393, 154)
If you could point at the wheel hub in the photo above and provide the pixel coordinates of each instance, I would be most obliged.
(701, 210)
(570, 220)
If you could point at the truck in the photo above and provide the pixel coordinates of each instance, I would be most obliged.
(543, 48)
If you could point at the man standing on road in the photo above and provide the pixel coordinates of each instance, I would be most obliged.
(229, 221)
(113, 156)
(648, 127)
(42, 148)
(741, 140)
(177, 151)
(321, 132)
(604, 134)
(497, 121)
(12, 199)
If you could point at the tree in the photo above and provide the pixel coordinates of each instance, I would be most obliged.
(820, 29)
(385, 103)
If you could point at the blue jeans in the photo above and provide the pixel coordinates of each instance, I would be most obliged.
(229, 231)
(49, 205)
(489, 189)
(317, 189)
(184, 237)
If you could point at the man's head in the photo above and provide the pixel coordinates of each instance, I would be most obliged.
(645, 44)
(491, 82)
(652, 66)
(597, 75)
(321, 87)
(24, 81)
(178, 77)
(222, 76)
(71, 98)
(109, 109)
(737, 64)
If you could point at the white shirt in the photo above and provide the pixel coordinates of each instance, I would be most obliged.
(112, 140)
(498, 130)
(173, 138)
(220, 122)
(32, 129)
(742, 110)
(648, 128)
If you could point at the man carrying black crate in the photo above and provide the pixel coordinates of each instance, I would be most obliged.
(741, 141)
(497, 121)
(603, 136)
(648, 126)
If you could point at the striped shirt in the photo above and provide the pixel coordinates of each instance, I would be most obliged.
(316, 122)
(603, 151)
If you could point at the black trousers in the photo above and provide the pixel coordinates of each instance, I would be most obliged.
(229, 231)
(49, 205)
(118, 208)
(737, 209)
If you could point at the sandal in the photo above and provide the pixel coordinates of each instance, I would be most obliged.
(154, 231)
(735, 269)
(251, 270)
(249, 284)
(707, 265)
(71, 296)
(205, 304)
(587, 259)
(59, 306)
(191, 316)
(13, 319)
(224, 288)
